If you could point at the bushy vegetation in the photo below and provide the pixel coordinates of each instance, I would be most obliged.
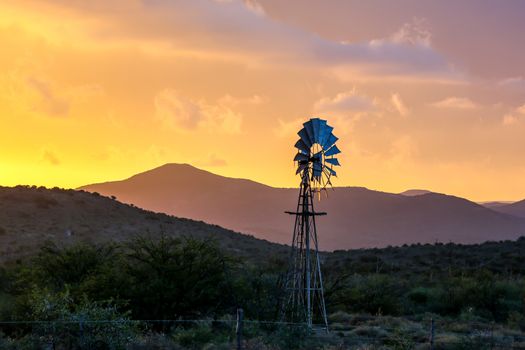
(85, 296)
(482, 282)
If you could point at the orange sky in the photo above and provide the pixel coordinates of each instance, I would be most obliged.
(100, 90)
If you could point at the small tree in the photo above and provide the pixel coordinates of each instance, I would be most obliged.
(176, 277)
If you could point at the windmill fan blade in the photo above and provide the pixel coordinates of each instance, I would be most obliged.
(331, 171)
(330, 141)
(302, 146)
(332, 151)
(332, 161)
(306, 139)
(300, 157)
(310, 131)
(326, 133)
(322, 131)
(316, 126)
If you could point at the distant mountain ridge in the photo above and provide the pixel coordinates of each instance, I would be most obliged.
(516, 209)
(357, 217)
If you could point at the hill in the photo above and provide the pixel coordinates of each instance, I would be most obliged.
(494, 205)
(411, 193)
(29, 216)
(516, 209)
(357, 217)
(503, 258)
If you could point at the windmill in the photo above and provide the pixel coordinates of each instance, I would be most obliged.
(304, 294)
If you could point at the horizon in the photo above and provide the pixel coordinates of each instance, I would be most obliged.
(261, 183)
(428, 98)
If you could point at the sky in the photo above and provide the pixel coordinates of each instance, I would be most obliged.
(422, 94)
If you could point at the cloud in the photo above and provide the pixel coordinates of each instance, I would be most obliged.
(239, 30)
(234, 101)
(50, 157)
(346, 109)
(177, 110)
(413, 33)
(49, 102)
(288, 128)
(398, 104)
(513, 83)
(514, 116)
(407, 52)
(254, 6)
(348, 101)
(402, 149)
(456, 103)
(183, 113)
(213, 161)
(509, 119)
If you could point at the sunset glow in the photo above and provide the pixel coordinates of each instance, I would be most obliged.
(431, 97)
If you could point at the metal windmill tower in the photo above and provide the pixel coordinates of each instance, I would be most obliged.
(304, 294)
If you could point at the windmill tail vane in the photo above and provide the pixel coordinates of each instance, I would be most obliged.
(304, 293)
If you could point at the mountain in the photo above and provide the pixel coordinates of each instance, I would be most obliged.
(516, 209)
(30, 216)
(357, 217)
(412, 193)
(494, 205)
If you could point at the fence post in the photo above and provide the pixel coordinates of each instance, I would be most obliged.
(432, 331)
(238, 329)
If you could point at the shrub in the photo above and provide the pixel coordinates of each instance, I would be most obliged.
(419, 295)
(374, 294)
(174, 277)
(44, 202)
(85, 325)
(154, 341)
(72, 265)
(290, 337)
(340, 317)
(198, 337)
(370, 332)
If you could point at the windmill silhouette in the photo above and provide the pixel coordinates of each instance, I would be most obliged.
(304, 294)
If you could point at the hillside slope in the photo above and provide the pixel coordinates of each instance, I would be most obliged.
(29, 216)
(415, 192)
(516, 209)
(494, 205)
(357, 217)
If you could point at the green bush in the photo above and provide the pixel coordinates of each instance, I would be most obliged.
(84, 325)
(199, 336)
(171, 278)
(374, 294)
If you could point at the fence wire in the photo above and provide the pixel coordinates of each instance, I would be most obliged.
(473, 335)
